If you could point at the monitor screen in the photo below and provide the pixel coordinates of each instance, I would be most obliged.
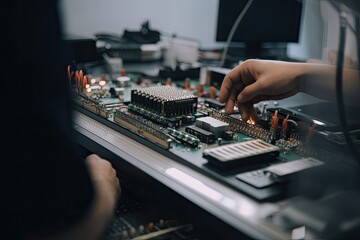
(265, 22)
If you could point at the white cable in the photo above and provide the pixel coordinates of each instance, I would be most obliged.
(233, 29)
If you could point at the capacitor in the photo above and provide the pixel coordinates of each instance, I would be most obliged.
(212, 92)
(123, 81)
(139, 80)
(102, 81)
(310, 132)
(168, 82)
(284, 127)
(69, 74)
(274, 125)
(132, 232)
(187, 84)
(123, 72)
(150, 226)
(200, 89)
(86, 81)
(141, 229)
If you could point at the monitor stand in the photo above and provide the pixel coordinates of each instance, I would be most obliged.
(272, 51)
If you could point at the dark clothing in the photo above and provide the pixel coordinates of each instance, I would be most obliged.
(45, 186)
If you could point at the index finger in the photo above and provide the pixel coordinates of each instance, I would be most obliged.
(225, 88)
(232, 84)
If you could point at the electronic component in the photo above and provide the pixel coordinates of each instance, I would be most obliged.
(274, 125)
(184, 137)
(213, 92)
(213, 125)
(228, 135)
(188, 119)
(181, 125)
(213, 103)
(187, 84)
(165, 101)
(282, 171)
(258, 178)
(284, 127)
(203, 135)
(287, 145)
(91, 105)
(142, 127)
(237, 125)
(279, 172)
(123, 81)
(163, 229)
(199, 114)
(117, 92)
(200, 90)
(137, 217)
(241, 154)
(165, 121)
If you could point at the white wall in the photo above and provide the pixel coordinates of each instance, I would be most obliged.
(187, 18)
(331, 36)
(311, 35)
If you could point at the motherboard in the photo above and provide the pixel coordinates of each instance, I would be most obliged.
(185, 121)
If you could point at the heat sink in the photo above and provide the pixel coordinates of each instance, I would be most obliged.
(165, 101)
(241, 154)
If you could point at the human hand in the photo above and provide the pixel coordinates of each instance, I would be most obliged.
(107, 190)
(258, 80)
(106, 183)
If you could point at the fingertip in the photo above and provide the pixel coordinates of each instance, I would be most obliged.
(229, 107)
(220, 99)
(244, 116)
(254, 117)
(223, 94)
(243, 110)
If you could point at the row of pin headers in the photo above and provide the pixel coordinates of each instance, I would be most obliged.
(165, 101)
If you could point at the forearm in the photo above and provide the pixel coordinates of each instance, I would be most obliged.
(91, 227)
(107, 191)
(319, 80)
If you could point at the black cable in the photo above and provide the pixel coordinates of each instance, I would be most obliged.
(339, 88)
(232, 31)
(338, 9)
(357, 36)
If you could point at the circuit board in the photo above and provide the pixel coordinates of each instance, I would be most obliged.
(187, 123)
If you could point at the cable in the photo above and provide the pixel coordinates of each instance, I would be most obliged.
(339, 90)
(338, 9)
(232, 31)
(357, 36)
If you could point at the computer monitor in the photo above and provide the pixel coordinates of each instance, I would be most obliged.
(268, 22)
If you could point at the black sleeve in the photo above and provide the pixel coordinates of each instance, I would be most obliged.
(45, 186)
